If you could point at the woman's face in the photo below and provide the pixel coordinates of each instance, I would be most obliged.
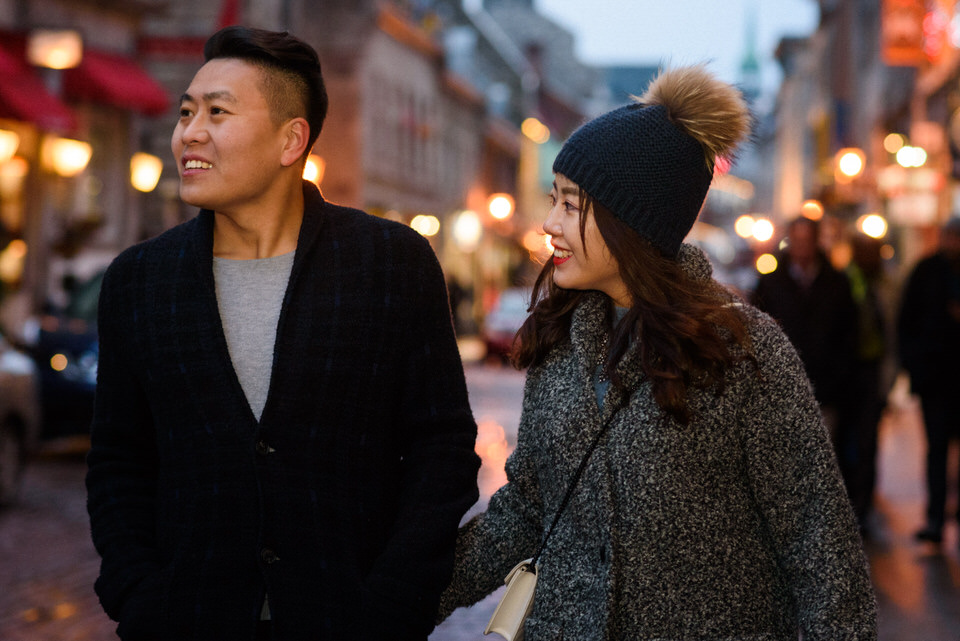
(580, 262)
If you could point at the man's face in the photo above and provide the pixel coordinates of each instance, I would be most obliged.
(226, 145)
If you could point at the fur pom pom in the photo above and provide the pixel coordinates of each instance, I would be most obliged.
(709, 110)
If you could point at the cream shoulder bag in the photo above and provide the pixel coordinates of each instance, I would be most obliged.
(517, 601)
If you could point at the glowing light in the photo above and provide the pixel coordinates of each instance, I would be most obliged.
(743, 226)
(425, 224)
(467, 230)
(535, 130)
(65, 156)
(909, 156)
(55, 49)
(887, 252)
(145, 170)
(762, 230)
(9, 141)
(314, 169)
(894, 142)
(766, 263)
(493, 449)
(850, 163)
(58, 362)
(812, 209)
(11, 260)
(873, 225)
(500, 206)
(534, 241)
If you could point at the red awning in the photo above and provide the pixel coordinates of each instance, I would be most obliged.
(23, 96)
(115, 79)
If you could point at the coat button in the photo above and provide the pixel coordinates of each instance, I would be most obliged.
(268, 556)
(263, 449)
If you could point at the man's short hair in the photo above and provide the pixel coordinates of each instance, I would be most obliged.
(292, 82)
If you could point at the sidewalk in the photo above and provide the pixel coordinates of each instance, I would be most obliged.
(917, 584)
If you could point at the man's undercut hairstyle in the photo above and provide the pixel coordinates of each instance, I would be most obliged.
(292, 82)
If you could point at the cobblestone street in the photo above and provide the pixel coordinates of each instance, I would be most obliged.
(49, 564)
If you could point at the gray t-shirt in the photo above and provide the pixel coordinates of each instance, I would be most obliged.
(250, 295)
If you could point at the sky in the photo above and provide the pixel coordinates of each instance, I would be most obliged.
(683, 31)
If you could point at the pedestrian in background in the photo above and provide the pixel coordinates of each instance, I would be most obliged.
(872, 375)
(712, 507)
(282, 444)
(928, 332)
(812, 302)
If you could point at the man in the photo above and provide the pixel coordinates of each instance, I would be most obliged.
(929, 339)
(282, 444)
(813, 303)
(872, 377)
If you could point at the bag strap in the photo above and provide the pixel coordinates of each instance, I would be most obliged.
(573, 485)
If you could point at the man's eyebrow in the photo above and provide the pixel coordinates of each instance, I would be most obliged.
(210, 97)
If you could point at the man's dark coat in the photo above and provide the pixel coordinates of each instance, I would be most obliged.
(342, 502)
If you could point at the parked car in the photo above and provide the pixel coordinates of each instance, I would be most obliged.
(65, 348)
(505, 318)
(19, 417)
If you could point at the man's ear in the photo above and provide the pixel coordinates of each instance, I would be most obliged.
(295, 141)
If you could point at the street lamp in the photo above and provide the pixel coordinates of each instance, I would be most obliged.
(744, 226)
(314, 169)
(873, 225)
(55, 48)
(812, 209)
(64, 156)
(850, 163)
(9, 141)
(766, 263)
(762, 230)
(425, 224)
(145, 170)
(535, 130)
(467, 230)
(500, 206)
(909, 156)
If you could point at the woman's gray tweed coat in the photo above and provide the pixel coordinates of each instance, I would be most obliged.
(734, 527)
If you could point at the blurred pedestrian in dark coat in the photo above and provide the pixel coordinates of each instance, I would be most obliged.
(871, 380)
(812, 302)
(929, 336)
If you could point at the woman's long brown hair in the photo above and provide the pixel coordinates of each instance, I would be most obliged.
(687, 329)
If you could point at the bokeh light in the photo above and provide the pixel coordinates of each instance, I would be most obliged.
(766, 263)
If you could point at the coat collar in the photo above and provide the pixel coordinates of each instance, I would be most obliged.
(313, 206)
(589, 331)
(200, 247)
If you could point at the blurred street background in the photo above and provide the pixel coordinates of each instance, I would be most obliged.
(446, 115)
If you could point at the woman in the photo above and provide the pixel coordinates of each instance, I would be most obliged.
(713, 508)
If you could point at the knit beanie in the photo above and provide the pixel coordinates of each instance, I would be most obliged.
(651, 162)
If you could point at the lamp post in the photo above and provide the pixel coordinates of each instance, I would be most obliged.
(51, 51)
